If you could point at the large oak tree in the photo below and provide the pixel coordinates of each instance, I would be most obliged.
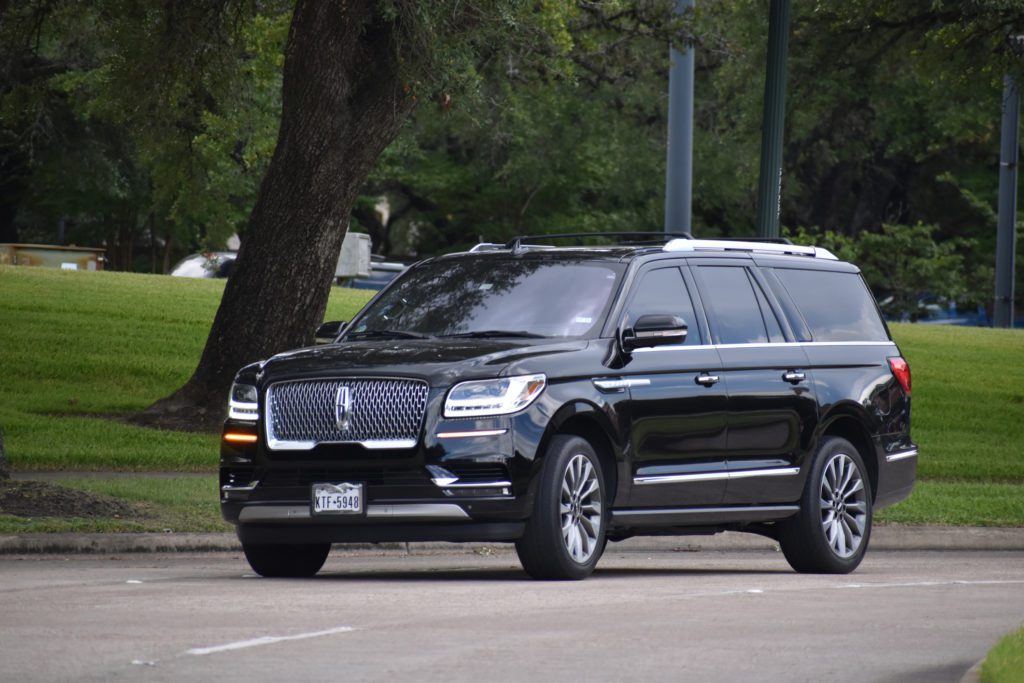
(353, 72)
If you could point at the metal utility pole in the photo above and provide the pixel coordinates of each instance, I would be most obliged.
(1006, 237)
(679, 166)
(769, 186)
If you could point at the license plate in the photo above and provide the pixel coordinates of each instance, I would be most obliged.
(337, 499)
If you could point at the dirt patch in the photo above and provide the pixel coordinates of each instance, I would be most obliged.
(41, 499)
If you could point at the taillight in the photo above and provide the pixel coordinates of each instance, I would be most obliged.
(901, 371)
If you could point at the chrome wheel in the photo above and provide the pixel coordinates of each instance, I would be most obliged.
(580, 508)
(844, 505)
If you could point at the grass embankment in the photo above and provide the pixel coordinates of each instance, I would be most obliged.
(74, 345)
(968, 420)
(1005, 663)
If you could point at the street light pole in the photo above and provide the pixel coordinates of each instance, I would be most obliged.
(1006, 236)
(679, 165)
(769, 186)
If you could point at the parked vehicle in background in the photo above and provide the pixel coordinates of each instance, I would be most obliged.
(206, 264)
(562, 397)
(381, 273)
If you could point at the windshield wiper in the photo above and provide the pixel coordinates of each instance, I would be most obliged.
(484, 334)
(399, 334)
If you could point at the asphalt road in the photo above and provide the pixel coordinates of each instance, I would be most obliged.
(469, 614)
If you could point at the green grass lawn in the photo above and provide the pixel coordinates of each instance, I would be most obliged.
(968, 421)
(74, 345)
(1005, 663)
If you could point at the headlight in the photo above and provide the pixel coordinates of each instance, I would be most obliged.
(243, 403)
(493, 396)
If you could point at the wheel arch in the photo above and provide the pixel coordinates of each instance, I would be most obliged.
(848, 423)
(591, 423)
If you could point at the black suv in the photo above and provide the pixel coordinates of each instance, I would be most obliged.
(563, 397)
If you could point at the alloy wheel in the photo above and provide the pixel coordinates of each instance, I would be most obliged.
(580, 508)
(843, 505)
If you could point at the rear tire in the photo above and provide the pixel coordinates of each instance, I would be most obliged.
(830, 534)
(285, 559)
(565, 535)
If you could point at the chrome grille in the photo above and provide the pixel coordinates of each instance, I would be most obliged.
(380, 412)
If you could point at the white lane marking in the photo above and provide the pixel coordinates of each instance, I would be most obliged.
(862, 586)
(265, 640)
(932, 584)
(133, 581)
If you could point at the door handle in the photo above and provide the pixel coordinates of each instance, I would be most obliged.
(706, 379)
(794, 377)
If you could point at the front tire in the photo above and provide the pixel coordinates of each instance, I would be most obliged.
(565, 535)
(282, 560)
(830, 534)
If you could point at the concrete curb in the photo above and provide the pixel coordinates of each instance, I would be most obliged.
(884, 538)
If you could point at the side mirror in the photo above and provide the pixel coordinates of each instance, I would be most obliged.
(328, 332)
(654, 330)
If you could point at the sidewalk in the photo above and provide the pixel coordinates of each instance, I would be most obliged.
(883, 538)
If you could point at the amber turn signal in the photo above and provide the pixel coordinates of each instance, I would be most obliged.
(235, 437)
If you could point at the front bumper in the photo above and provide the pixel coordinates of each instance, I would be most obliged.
(475, 486)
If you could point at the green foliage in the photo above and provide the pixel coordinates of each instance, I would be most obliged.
(149, 121)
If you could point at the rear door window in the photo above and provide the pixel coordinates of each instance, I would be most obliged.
(734, 310)
(836, 306)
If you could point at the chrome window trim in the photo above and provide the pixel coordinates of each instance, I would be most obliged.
(901, 455)
(762, 345)
(715, 476)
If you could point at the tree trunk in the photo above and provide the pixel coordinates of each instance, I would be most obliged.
(342, 103)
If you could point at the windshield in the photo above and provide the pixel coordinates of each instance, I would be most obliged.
(493, 297)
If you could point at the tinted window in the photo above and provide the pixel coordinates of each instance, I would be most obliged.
(835, 306)
(735, 314)
(546, 297)
(664, 291)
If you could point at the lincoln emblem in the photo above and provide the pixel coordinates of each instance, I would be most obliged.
(343, 408)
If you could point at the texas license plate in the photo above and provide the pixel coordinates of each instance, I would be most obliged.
(337, 499)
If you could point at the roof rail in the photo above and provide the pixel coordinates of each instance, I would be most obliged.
(762, 247)
(487, 246)
(771, 240)
(653, 237)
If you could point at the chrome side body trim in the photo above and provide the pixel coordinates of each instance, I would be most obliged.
(705, 511)
(424, 511)
(901, 455)
(715, 476)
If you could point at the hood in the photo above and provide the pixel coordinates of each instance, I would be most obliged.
(439, 361)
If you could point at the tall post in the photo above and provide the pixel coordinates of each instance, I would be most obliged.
(769, 186)
(679, 166)
(1006, 237)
